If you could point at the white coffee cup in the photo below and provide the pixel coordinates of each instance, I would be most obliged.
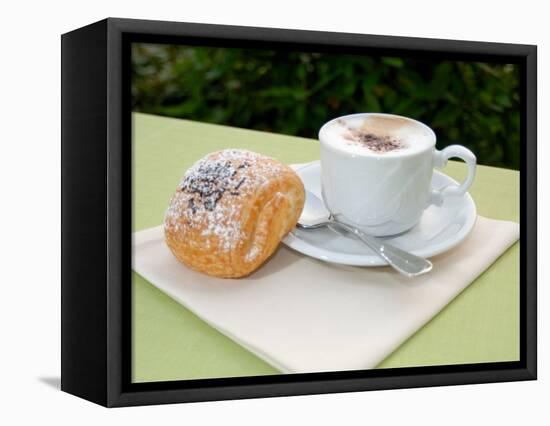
(385, 193)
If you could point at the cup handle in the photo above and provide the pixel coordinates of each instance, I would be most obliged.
(440, 161)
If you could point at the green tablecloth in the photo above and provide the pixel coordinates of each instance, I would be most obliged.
(171, 343)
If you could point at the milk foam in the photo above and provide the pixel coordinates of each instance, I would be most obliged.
(411, 136)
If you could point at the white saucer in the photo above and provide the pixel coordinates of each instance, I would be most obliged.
(439, 229)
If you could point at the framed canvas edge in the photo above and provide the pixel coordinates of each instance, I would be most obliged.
(298, 387)
(119, 394)
(528, 206)
(84, 320)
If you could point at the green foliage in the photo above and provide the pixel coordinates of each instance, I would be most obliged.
(470, 103)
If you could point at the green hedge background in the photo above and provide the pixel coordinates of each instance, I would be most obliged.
(469, 103)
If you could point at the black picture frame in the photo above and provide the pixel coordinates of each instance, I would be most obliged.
(96, 214)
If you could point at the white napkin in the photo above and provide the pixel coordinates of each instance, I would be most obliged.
(302, 315)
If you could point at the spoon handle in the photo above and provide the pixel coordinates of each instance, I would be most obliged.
(406, 263)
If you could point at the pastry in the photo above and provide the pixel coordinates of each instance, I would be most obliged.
(231, 210)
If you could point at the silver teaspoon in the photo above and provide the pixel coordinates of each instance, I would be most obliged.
(315, 215)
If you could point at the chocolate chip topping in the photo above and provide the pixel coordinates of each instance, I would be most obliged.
(211, 181)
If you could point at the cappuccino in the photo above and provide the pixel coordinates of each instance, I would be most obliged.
(377, 134)
(376, 171)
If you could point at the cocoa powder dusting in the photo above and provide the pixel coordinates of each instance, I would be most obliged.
(376, 143)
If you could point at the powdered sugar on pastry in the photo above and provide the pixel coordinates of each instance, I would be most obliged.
(205, 187)
(252, 253)
(231, 210)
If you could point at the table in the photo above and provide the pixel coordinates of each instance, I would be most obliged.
(171, 343)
